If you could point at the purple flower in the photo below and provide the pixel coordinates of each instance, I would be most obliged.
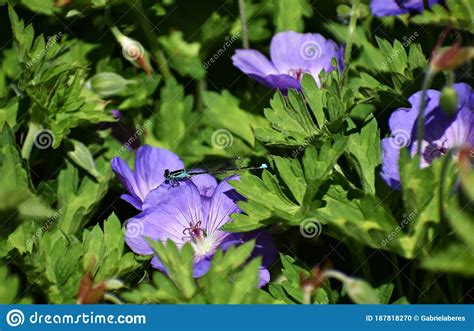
(182, 215)
(150, 165)
(397, 7)
(441, 131)
(292, 55)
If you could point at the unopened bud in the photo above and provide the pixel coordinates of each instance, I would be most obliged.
(449, 100)
(360, 291)
(451, 58)
(107, 84)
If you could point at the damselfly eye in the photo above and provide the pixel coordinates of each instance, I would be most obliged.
(167, 172)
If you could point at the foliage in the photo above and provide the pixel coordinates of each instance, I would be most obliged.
(63, 73)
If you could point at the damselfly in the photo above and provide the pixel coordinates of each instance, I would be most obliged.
(176, 176)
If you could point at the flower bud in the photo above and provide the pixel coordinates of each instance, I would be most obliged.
(113, 284)
(357, 289)
(106, 84)
(133, 51)
(451, 58)
(90, 293)
(360, 291)
(449, 100)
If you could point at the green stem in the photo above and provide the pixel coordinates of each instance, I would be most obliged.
(200, 88)
(398, 280)
(352, 28)
(444, 171)
(421, 111)
(243, 22)
(360, 253)
(152, 40)
(411, 288)
(33, 128)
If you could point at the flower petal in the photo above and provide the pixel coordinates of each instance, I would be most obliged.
(282, 82)
(202, 266)
(264, 275)
(397, 7)
(253, 62)
(150, 165)
(221, 207)
(206, 184)
(176, 211)
(125, 175)
(134, 201)
(390, 156)
(308, 52)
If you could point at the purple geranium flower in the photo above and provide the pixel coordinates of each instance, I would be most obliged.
(397, 7)
(292, 55)
(441, 131)
(182, 215)
(150, 165)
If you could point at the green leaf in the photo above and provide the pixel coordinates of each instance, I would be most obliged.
(223, 112)
(365, 220)
(9, 287)
(79, 198)
(268, 197)
(169, 125)
(456, 13)
(179, 265)
(83, 158)
(291, 20)
(454, 259)
(183, 56)
(364, 152)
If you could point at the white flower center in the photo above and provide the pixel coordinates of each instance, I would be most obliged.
(203, 245)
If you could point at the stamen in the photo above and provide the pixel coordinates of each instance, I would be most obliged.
(298, 73)
(194, 232)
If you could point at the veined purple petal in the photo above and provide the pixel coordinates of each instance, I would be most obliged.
(221, 207)
(253, 62)
(178, 211)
